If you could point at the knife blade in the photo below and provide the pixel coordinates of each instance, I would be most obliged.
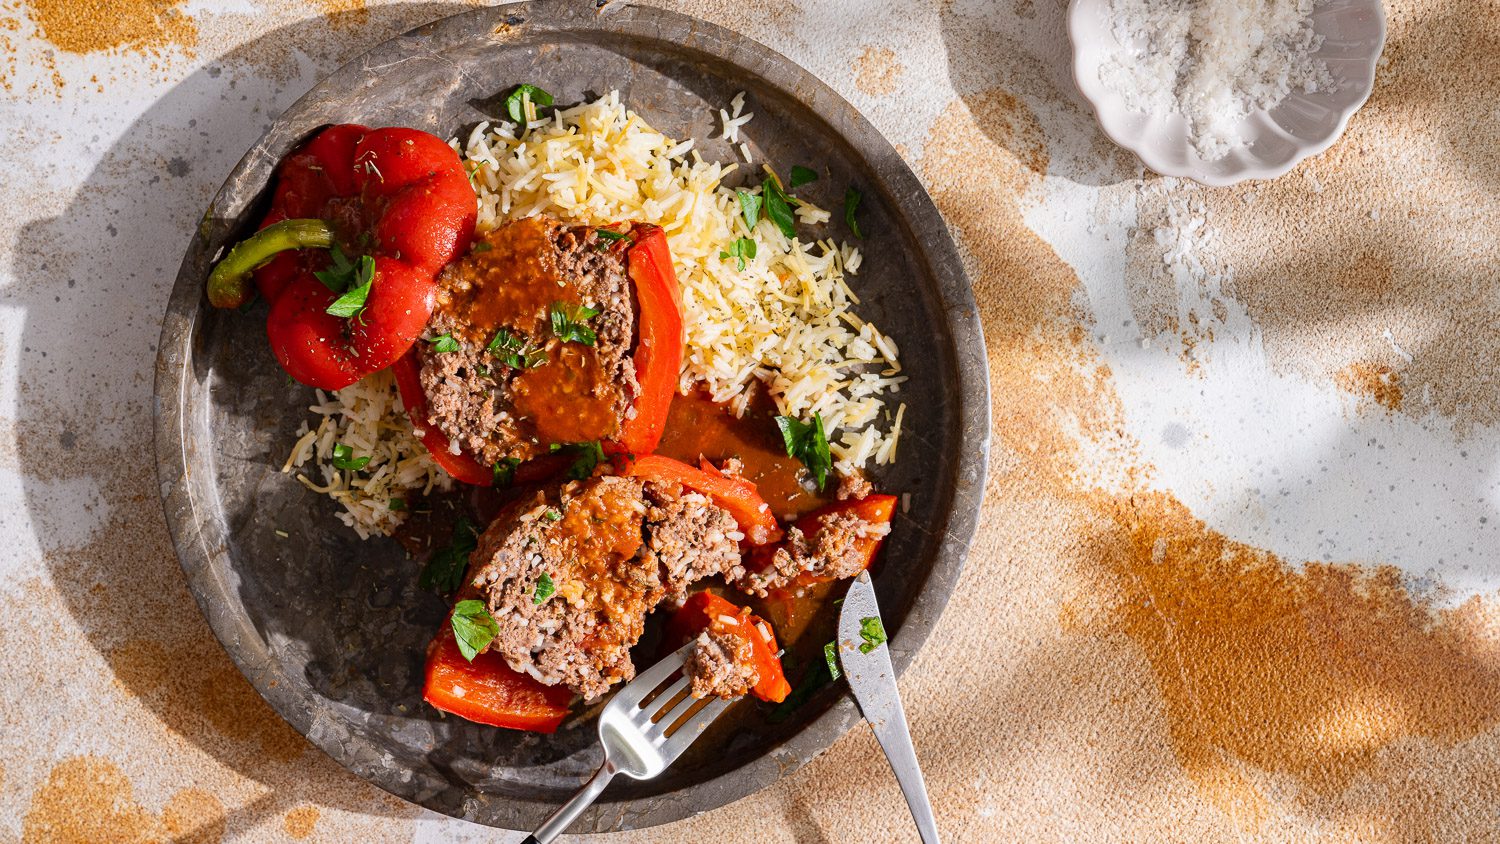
(873, 681)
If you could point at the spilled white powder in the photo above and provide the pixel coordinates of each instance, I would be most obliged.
(1213, 62)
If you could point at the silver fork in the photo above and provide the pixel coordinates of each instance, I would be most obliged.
(642, 734)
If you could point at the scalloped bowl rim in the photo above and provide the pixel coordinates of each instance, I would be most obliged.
(1112, 115)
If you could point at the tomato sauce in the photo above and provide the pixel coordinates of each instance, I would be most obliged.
(511, 281)
(697, 427)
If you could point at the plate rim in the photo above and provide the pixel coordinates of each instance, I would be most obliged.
(198, 550)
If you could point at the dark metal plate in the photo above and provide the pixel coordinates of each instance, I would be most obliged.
(332, 630)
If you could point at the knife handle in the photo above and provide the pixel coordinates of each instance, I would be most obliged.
(895, 740)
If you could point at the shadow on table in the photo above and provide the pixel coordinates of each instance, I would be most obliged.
(92, 283)
(1020, 49)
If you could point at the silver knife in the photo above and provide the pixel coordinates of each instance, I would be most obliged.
(873, 681)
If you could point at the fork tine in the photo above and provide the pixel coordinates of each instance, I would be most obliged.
(656, 721)
(694, 727)
(647, 681)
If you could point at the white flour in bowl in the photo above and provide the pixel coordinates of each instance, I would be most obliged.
(1213, 61)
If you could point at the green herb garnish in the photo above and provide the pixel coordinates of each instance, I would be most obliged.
(590, 454)
(445, 568)
(513, 103)
(831, 656)
(397, 504)
(851, 202)
(741, 249)
(444, 344)
(801, 176)
(481, 246)
(750, 208)
(352, 302)
(515, 352)
(473, 627)
(343, 458)
(873, 633)
(568, 323)
(505, 471)
(611, 234)
(778, 207)
(809, 443)
(340, 276)
(552, 515)
(544, 589)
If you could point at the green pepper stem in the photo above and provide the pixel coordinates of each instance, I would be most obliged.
(227, 287)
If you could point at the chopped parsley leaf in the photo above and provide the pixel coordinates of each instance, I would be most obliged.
(444, 344)
(552, 514)
(515, 351)
(831, 656)
(353, 301)
(481, 246)
(750, 208)
(801, 176)
(778, 207)
(809, 443)
(505, 471)
(568, 323)
(340, 276)
(587, 456)
(873, 633)
(445, 568)
(741, 249)
(514, 106)
(611, 234)
(473, 627)
(544, 589)
(851, 202)
(397, 504)
(504, 342)
(343, 458)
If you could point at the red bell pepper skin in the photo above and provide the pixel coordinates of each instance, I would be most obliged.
(658, 352)
(490, 692)
(875, 509)
(462, 467)
(318, 171)
(795, 605)
(398, 195)
(408, 372)
(703, 610)
(736, 495)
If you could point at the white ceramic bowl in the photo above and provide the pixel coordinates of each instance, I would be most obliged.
(1276, 139)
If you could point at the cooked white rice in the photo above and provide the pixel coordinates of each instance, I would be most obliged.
(786, 320)
(368, 418)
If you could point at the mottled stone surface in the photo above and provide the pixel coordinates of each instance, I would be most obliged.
(1235, 578)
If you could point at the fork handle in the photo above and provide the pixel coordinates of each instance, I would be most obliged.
(563, 818)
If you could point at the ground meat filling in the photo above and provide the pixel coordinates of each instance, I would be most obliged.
(570, 575)
(722, 664)
(832, 552)
(853, 486)
(513, 386)
(689, 538)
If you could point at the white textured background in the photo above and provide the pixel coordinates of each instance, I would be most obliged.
(1237, 574)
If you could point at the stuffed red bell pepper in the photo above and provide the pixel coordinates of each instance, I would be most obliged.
(488, 691)
(373, 215)
(735, 494)
(547, 337)
(705, 611)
